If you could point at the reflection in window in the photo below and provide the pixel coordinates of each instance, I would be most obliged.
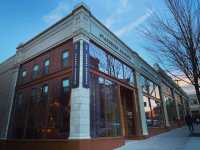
(46, 66)
(170, 104)
(59, 112)
(65, 85)
(178, 98)
(110, 65)
(45, 90)
(18, 117)
(128, 75)
(171, 109)
(36, 71)
(153, 108)
(153, 111)
(98, 58)
(24, 73)
(105, 116)
(65, 56)
(34, 94)
(23, 76)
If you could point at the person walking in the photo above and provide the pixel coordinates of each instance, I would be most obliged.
(189, 122)
(197, 121)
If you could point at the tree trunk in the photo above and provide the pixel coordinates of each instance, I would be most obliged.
(197, 92)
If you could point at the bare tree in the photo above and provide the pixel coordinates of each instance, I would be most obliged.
(176, 38)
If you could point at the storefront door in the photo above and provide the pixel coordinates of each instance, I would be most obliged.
(127, 101)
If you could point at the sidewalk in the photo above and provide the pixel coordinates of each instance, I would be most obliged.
(194, 140)
(177, 139)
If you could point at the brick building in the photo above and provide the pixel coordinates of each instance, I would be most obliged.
(79, 85)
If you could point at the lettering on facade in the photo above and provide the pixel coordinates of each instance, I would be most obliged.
(114, 46)
(85, 65)
(76, 66)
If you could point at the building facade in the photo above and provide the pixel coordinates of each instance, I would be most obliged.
(76, 81)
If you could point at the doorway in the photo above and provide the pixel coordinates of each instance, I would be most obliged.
(127, 101)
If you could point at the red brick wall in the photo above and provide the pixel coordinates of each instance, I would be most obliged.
(55, 56)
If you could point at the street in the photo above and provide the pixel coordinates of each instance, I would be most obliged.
(176, 139)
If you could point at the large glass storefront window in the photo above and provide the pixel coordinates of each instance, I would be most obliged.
(152, 103)
(19, 115)
(105, 113)
(179, 100)
(42, 114)
(170, 104)
(106, 63)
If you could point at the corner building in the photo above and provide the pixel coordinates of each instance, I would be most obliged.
(78, 86)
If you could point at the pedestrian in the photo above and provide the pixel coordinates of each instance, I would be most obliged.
(189, 122)
(198, 121)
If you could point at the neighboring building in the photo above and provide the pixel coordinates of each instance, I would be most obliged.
(79, 82)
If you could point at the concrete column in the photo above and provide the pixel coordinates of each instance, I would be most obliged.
(80, 103)
(164, 106)
(184, 105)
(177, 109)
(141, 105)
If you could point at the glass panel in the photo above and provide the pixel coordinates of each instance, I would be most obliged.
(35, 73)
(47, 63)
(148, 112)
(128, 108)
(46, 66)
(105, 117)
(153, 111)
(157, 92)
(38, 113)
(151, 89)
(45, 90)
(128, 75)
(171, 109)
(36, 68)
(24, 73)
(19, 116)
(157, 115)
(110, 65)
(65, 56)
(65, 84)
(99, 59)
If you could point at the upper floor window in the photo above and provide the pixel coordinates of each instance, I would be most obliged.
(65, 56)
(34, 94)
(46, 66)
(65, 85)
(36, 71)
(107, 63)
(45, 90)
(24, 74)
(19, 100)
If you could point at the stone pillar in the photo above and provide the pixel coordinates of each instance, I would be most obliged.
(80, 101)
(141, 105)
(164, 106)
(184, 105)
(177, 109)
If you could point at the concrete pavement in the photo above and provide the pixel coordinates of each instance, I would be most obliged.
(177, 139)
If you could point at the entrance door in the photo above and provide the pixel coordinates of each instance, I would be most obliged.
(127, 100)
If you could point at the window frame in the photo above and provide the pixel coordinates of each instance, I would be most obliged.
(67, 59)
(45, 67)
(62, 88)
(35, 74)
(44, 94)
(110, 57)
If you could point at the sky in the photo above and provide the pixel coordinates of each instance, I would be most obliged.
(22, 20)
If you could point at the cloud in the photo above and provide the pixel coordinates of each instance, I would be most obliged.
(133, 24)
(58, 12)
(120, 10)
